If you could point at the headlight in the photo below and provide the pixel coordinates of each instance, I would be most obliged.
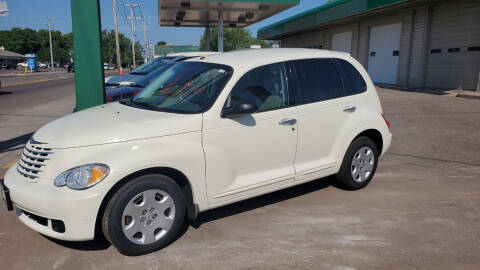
(82, 177)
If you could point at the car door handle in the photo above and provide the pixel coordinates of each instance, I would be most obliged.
(288, 122)
(349, 109)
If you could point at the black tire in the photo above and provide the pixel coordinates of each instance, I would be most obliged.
(345, 176)
(112, 221)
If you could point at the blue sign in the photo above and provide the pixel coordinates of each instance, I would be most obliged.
(31, 61)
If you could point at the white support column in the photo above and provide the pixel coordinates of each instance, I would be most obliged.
(207, 36)
(220, 31)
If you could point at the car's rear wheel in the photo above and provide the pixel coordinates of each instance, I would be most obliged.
(359, 164)
(145, 215)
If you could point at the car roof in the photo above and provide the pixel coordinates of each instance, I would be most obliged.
(192, 54)
(257, 57)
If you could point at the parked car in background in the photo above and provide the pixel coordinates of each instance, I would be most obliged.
(116, 93)
(23, 64)
(119, 92)
(128, 79)
(70, 67)
(107, 66)
(207, 132)
(128, 91)
(142, 70)
(42, 65)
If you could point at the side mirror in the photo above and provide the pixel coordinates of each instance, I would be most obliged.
(240, 108)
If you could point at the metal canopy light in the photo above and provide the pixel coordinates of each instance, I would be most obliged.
(216, 13)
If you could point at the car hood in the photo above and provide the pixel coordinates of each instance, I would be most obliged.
(113, 123)
(124, 78)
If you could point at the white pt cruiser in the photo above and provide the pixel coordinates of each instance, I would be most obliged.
(207, 132)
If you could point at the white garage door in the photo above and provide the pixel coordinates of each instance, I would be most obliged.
(342, 42)
(384, 52)
(454, 53)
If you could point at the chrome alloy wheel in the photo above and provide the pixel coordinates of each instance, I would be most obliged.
(362, 164)
(148, 216)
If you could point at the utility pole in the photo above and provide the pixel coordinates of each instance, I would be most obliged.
(50, 37)
(145, 36)
(152, 52)
(117, 44)
(220, 31)
(132, 19)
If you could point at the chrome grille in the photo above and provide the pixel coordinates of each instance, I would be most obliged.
(33, 159)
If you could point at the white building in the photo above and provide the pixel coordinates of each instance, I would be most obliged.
(405, 43)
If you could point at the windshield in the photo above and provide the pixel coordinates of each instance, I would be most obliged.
(150, 66)
(144, 81)
(186, 87)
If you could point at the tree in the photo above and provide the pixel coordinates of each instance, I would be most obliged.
(110, 53)
(233, 39)
(161, 43)
(25, 41)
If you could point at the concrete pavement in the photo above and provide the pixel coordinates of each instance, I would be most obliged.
(25, 106)
(421, 210)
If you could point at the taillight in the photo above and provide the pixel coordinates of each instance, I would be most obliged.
(386, 121)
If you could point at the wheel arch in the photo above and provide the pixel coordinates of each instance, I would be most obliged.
(174, 174)
(373, 134)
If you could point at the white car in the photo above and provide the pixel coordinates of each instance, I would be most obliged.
(107, 66)
(208, 132)
(23, 64)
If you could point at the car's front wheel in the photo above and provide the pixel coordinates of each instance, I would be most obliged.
(359, 164)
(144, 215)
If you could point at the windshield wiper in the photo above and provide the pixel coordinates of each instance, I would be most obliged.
(112, 84)
(145, 104)
(138, 73)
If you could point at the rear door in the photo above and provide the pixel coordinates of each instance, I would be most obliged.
(324, 110)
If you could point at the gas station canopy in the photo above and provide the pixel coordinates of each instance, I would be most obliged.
(204, 13)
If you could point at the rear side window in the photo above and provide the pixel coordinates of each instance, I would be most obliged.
(318, 79)
(353, 82)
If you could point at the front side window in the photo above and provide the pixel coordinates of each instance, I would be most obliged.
(186, 87)
(265, 86)
(318, 79)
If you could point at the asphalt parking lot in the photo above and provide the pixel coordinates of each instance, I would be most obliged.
(422, 210)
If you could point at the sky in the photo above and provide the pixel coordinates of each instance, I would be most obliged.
(33, 14)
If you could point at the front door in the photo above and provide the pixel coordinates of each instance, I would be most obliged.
(254, 153)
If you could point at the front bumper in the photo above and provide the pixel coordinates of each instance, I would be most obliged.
(42, 205)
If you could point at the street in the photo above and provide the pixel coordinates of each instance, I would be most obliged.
(421, 210)
(28, 102)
